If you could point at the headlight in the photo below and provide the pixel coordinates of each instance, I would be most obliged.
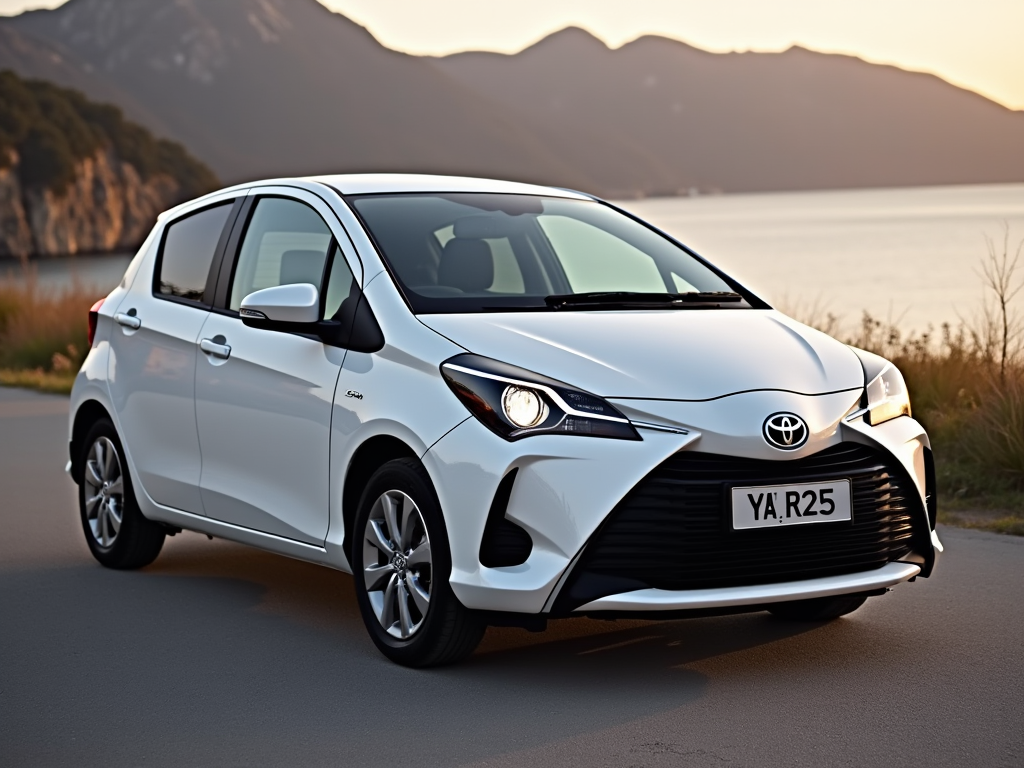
(516, 403)
(523, 407)
(887, 396)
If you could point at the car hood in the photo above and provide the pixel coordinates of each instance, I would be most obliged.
(676, 354)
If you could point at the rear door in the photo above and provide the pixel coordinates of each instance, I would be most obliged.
(264, 398)
(153, 355)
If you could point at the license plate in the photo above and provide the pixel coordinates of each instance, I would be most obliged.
(773, 506)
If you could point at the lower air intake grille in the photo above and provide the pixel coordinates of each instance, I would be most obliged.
(673, 530)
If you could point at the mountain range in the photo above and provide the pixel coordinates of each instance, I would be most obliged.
(259, 88)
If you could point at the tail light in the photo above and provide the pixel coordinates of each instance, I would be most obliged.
(94, 316)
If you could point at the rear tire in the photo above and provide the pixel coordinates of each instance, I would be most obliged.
(818, 608)
(118, 534)
(401, 563)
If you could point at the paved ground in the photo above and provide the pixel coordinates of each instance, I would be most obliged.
(218, 655)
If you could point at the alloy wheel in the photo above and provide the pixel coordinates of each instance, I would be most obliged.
(397, 564)
(104, 492)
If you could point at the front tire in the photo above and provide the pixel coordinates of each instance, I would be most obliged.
(818, 608)
(401, 563)
(118, 534)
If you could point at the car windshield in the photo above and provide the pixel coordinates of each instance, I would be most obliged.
(497, 252)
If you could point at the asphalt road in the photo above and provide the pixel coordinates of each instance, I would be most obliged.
(219, 655)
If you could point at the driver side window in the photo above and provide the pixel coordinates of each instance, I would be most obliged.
(286, 242)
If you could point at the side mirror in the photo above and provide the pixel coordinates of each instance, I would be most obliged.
(296, 309)
(296, 303)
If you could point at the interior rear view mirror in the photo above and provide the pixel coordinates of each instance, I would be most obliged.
(486, 227)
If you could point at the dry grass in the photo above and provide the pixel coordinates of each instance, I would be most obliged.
(967, 388)
(38, 379)
(43, 333)
(970, 398)
(996, 521)
(966, 383)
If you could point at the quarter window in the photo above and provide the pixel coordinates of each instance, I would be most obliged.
(341, 286)
(287, 242)
(189, 246)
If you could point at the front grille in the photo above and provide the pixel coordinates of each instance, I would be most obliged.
(673, 530)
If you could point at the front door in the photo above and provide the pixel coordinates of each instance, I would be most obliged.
(264, 398)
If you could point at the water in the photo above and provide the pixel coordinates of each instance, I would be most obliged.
(909, 255)
(101, 273)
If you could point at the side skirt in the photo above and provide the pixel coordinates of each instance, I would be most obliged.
(298, 550)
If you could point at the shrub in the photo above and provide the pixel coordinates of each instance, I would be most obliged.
(995, 434)
(44, 330)
(966, 387)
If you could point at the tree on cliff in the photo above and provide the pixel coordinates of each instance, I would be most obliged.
(76, 176)
(53, 128)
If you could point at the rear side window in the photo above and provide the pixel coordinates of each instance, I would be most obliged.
(189, 246)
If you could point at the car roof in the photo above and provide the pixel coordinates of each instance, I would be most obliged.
(383, 183)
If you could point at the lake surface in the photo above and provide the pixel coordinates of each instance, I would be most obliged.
(912, 255)
(99, 272)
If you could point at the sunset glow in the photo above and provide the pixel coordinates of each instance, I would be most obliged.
(975, 45)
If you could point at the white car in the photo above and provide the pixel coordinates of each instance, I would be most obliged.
(494, 403)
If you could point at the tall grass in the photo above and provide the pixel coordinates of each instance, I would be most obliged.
(43, 332)
(966, 381)
(966, 385)
(970, 400)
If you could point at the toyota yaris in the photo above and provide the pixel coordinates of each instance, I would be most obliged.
(493, 403)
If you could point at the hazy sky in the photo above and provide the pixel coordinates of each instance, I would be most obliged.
(978, 44)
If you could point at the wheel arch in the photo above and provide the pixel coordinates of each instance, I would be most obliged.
(367, 459)
(88, 413)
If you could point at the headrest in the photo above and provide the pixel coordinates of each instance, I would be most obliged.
(467, 265)
(487, 226)
(302, 267)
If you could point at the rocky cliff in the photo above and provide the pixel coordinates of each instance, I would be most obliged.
(76, 177)
(106, 207)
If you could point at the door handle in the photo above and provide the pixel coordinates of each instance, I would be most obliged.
(128, 321)
(212, 347)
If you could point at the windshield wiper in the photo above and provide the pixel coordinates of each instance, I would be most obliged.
(637, 299)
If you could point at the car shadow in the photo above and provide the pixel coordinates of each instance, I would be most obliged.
(264, 660)
(324, 598)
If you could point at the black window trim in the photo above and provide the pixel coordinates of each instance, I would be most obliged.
(218, 253)
(226, 267)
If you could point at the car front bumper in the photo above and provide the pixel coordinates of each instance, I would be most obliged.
(644, 600)
(567, 486)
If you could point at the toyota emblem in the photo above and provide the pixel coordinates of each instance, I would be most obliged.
(785, 431)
